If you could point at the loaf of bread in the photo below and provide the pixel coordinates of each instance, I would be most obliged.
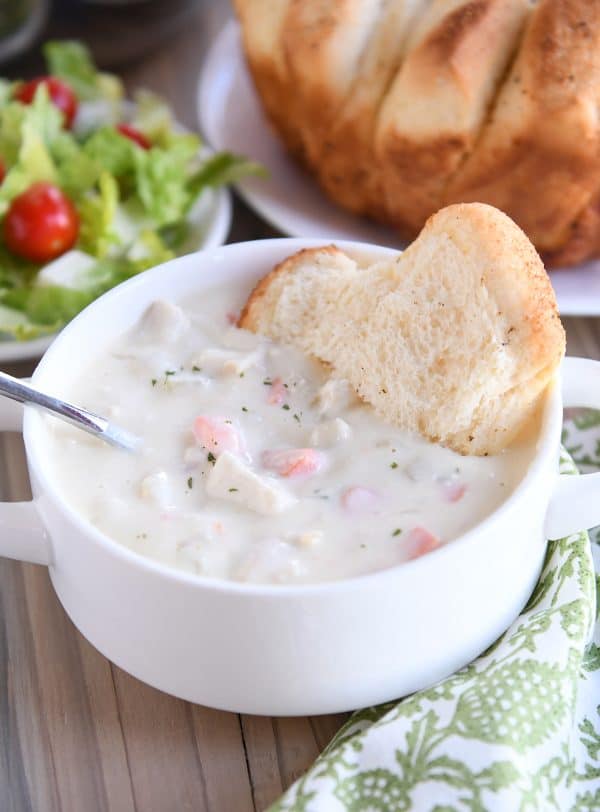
(455, 339)
(399, 107)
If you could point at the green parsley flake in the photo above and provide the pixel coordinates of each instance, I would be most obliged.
(286, 407)
(211, 457)
(190, 482)
(196, 369)
(394, 465)
(397, 531)
(296, 417)
(268, 382)
(232, 490)
(154, 381)
(244, 409)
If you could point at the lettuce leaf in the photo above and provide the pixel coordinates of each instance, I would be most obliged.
(97, 214)
(28, 134)
(111, 150)
(48, 306)
(161, 176)
(148, 250)
(77, 171)
(41, 116)
(71, 60)
(17, 325)
(221, 169)
(152, 115)
(29, 311)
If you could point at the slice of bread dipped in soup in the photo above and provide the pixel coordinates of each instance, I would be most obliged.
(456, 338)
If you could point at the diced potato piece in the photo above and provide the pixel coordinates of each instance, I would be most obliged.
(334, 397)
(156, 488)
(308, 539)
(234, 481)
(225, 362)
(162, 322)
(330, 433)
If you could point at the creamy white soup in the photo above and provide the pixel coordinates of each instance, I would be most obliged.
(257, 465)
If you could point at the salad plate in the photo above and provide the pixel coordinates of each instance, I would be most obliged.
(94, 189)
(211, 220)
(231, 118)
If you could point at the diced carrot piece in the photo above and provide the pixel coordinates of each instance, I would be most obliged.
(217, 434)
(277, 393)
(293, 462)
(360, 500)
(420, 542)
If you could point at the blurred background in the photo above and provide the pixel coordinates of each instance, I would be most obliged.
(119, 32)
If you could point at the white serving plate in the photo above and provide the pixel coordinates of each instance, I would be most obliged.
(231, 118)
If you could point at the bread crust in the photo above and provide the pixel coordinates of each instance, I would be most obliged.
(347, 167)
(253, 313)
(538, 158)
(323, 42)
(432, 115)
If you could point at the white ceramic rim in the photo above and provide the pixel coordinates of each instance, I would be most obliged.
(545, 456)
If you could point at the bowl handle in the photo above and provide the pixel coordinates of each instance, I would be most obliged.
(575, 504)
(22, 534)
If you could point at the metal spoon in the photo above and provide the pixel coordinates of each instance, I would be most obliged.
(100, 427)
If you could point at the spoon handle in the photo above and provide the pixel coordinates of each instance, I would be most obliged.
(22, 392)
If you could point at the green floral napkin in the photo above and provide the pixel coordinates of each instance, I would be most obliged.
(516, 730)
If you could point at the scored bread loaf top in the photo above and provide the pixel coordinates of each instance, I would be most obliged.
(347, 165)
(439, 99)
(323, 44)
(455, 339)
(538, 156)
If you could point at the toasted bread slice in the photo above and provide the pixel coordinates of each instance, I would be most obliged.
(538, 157)
(455, 339)
(346, 166)
(440, 98)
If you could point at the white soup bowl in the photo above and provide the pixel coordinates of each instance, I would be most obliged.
(271, 649)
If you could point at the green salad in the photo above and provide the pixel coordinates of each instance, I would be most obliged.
(93, 189)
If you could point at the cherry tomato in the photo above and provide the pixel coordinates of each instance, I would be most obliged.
(2, 170)
(41, 223)
(134, 135)
(59, 92)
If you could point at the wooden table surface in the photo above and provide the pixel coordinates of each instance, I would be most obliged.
(76, 732)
